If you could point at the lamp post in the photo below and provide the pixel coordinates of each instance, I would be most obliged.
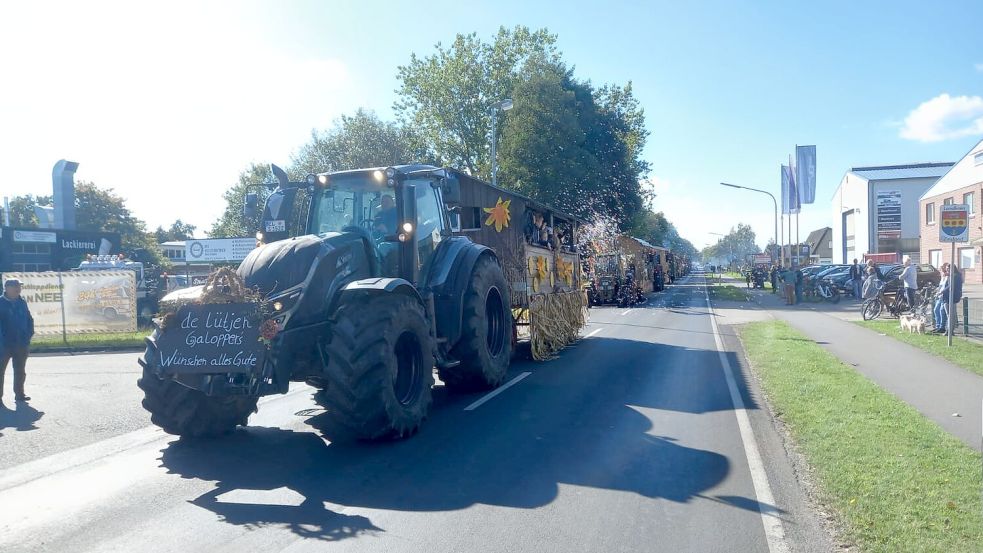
(729, 253)
(775, 203)
(504, 105)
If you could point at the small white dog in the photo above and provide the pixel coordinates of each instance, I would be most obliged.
(912, 323)
(905, 321)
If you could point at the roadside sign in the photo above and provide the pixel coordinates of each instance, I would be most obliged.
(954, 223)
(762, 259)
(218, 249)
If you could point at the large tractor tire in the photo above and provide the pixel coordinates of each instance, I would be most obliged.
(185, 412)
(380, 370)
(485, 347)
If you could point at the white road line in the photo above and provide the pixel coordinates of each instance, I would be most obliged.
(593, 332)
(494, 393)
(774, 531)
(627, 311)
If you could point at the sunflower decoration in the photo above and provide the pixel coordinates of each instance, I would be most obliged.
(499, 215)
(538, 269)
(565, 271)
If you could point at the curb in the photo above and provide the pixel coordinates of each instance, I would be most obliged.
(67, 351)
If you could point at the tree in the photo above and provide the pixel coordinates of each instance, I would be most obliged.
(356, 141)
(179, 230)
(231, 223)
(22, 210)
(735, 246)
(448, 96)
(98, 209)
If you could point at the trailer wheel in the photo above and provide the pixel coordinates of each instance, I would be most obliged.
(484, 348)
(379, 371)
(186, 412)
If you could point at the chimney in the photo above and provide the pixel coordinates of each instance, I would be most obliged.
(63, 184)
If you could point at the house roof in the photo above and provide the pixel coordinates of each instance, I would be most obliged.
(818, 240)
(944, 184)
(909, 171)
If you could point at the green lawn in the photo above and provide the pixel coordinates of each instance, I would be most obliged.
(84, 341)
(966, 354)
(896, 479)
(728, 292)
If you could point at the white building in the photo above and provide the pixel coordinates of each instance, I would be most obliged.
(174, 251)
(875, 209)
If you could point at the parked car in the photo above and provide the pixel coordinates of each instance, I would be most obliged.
(889, 273)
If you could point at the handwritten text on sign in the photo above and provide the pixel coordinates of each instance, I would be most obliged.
(218, 338)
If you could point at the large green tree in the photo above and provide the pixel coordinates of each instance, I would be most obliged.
(22, 210)
(448, 96)
(179, 230)
(101, 209)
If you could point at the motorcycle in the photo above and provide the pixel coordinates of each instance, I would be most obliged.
(824, 289)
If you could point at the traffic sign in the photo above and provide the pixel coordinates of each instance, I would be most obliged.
(954, 223)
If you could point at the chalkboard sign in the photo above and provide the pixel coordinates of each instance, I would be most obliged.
(214, 338)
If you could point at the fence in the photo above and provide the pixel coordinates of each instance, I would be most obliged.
(80, 302)
(972, 317)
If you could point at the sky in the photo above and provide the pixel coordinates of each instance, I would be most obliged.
(167, 102)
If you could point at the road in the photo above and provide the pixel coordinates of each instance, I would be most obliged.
(628, 441)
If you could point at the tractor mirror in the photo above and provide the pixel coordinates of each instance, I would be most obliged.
(249, 206)
(450, 190)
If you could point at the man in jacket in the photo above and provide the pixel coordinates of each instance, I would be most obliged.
(857, 278)
(17, 328)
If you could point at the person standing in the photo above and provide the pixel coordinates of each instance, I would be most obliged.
(773, 277)
(799, 281)
(941, 309)
(909, 276)
(788, 280)
(857, 278)
(17, 328)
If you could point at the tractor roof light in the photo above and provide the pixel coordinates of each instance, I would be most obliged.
(390, 172)
(403, 237)
(378, 175)
(312, 179)
(407, 227)
(322, 180)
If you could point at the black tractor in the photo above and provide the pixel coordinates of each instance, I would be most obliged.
(373, 295)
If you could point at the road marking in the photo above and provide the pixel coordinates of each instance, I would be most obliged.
(774, 531)
(627, 311)
(494, 393)
(593, 332)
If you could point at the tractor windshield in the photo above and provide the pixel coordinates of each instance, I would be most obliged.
(355, 201)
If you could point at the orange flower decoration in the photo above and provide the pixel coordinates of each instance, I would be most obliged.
(499, 215)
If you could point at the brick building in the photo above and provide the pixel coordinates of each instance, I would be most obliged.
(962, 184)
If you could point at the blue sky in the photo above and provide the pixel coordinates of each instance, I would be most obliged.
(166, 104)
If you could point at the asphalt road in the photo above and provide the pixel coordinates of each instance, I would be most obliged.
(628, 441)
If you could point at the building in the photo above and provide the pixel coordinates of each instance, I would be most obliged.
(173, 251)
(962, 184)
(32, 249)
(876, 209)
(820, 244)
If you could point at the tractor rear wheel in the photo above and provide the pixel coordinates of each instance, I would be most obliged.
(485, 347)
(183, 411)
(379, 372)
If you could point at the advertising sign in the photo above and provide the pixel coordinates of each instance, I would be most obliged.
(214, 338)
(218, 249)
(888, 214)
(93, 301)
(805, 173)
(954, 223)
(35, 236)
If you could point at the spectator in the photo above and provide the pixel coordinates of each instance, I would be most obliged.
(910, 278)
(17, 329)
(872, 285)
(788, 278)
(856, 278)
(941, 310)
(799, 281)
(747, 277)
(773, 277)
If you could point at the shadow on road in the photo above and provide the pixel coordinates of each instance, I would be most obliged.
(584, 425)
(21, 418)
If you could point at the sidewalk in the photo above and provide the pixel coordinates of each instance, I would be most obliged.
(936, 388)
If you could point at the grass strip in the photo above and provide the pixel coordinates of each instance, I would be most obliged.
(83, 341)
(728, 292)
(898, 481)
(966, 354)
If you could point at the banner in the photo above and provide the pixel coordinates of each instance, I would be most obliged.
(790, 197)
(805, 173)
(888, 214)
(92, 301)
(218, 249)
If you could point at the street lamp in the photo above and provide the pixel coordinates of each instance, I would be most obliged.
(775, 202)
(504, 105)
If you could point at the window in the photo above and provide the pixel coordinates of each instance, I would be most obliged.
(978, 159)
(935, 258)
(967, 258)
(947, 201)
(930, 213)
(968, 200)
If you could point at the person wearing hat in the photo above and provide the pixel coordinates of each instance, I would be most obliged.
(17, 329)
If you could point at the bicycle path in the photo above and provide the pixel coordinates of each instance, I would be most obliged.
(948, 394)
